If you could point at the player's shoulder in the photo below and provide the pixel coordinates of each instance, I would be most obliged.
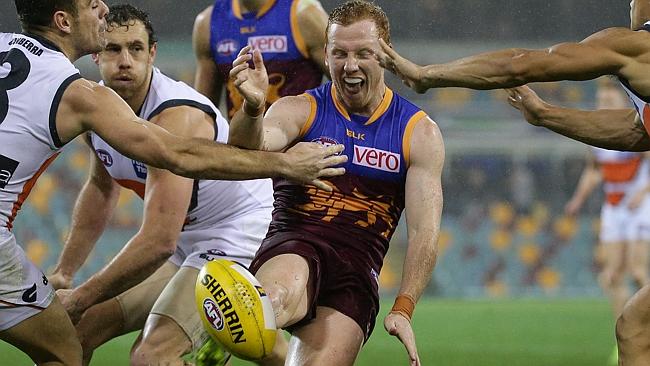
(83, 95)
(5, 38)
(307, 6)
(204, 17)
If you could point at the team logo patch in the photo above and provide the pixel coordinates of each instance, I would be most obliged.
(140, 169)
(29, 295)
(213, 314)
(105, 157)
(376, 159)
(325, 141)
(269, 44)
(227, 47)
(7, 168)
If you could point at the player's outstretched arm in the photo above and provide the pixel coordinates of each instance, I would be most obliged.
(605, 52)
(423, 212)
(88, 106)
(90, 215)
(615, 129)
(207, 79)
(590, 178)
(166, 202)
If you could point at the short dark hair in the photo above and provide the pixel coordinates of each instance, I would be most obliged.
(38, 13)
(125, 15)
(357, 10)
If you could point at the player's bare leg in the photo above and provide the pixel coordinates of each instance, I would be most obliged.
(48, 338)
(637, 262)
(633, 330)
(285, 278)
(612, 275)
(98, 325)
(123, 314)
(332, 338)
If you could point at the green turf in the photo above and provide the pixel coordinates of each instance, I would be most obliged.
(455, 333)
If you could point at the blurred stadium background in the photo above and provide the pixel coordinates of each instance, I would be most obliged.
(504, 237)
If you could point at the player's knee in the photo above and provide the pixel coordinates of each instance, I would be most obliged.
(279, 295)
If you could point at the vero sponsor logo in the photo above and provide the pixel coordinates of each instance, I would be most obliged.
(267, 44)
(376, 159)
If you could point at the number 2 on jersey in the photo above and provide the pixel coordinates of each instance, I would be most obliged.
(20, 66)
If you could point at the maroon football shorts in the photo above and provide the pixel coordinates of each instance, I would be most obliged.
(340, 277)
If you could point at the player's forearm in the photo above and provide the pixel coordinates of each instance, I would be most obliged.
(207, 160)
(90, 216)
(609, 129)
(589, 180)
(418, 264)
(246, 131)
(140, 258)
(492, 70)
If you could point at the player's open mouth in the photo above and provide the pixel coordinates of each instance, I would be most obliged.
(353, 84)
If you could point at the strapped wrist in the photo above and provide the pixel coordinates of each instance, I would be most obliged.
(404, 305)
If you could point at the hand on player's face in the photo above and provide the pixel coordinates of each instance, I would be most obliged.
(410, 73)
(252, 83)
(397, 325)
(309, 161)
(527, 101)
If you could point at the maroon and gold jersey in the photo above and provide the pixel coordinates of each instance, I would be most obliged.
(362, 211)
(274, 31)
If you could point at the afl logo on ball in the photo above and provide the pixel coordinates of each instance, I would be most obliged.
(213, 314)
(227, 47)
(105, 157)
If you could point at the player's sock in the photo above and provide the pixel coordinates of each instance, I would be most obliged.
(211, 354)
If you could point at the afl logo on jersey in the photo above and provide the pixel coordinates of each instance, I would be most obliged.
(105, 157)
(227, 47)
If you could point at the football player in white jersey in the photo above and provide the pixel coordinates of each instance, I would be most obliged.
(186, 222)
(621, 52)
(624, 238)
(44, 104)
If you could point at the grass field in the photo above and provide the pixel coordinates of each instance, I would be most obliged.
(464, 333)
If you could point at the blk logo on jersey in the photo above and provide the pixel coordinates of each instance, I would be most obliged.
(140, 169)
(269, 44)
(376, 159)
(227, 47)
(105, 157)
(7, 168)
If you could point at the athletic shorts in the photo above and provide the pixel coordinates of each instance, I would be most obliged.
(620, 224)
(169, 291)
(340, 277)
(237, 239)
(24, 289)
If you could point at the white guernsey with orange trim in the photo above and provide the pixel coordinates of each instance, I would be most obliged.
(225, 218)
(34, 73)
(624, 175)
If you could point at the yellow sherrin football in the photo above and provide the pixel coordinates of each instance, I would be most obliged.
(235, 310)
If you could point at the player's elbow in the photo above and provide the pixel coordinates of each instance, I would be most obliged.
(519, 68)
